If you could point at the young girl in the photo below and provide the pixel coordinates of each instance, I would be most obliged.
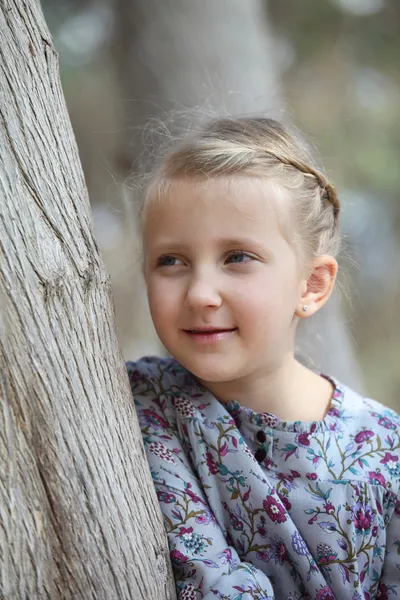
(274, 481)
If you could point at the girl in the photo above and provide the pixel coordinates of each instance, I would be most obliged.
(274, 481)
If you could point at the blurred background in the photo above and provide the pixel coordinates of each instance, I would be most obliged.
(331, 68)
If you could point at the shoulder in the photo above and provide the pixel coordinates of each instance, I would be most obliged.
(367, 412)
(164, 385)
(156, 375)
(372, 434)
(147, 373)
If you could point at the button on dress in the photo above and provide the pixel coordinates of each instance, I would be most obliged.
(256, 507)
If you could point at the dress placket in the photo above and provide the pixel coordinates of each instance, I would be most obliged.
(264, 442)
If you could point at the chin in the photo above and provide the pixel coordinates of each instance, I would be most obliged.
(211, 369)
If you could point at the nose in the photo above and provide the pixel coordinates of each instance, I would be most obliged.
(203, 293)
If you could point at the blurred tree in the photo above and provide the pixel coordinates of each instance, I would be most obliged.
(342, 80)
(222, 58)
(79, 514)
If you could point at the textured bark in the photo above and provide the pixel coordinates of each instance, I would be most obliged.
(221, 58)
(79, 516)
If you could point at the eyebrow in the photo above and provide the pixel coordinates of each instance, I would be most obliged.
(238, 243)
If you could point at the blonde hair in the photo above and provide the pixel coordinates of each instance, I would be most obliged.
(264, 148)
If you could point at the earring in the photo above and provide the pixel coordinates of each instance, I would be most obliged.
(305, 308)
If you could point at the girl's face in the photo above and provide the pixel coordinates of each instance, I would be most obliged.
(216, 259)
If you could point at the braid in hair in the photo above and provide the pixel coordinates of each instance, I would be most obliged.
(328, 191)
(256, 146)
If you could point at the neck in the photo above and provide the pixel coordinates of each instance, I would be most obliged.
(290, 391)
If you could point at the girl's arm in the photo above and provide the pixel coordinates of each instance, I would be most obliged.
(205, 565)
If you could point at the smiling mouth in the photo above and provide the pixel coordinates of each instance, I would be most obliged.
(209, 336)
(209, 331)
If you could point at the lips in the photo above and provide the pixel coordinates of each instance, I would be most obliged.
(210, 329)
(208, 336)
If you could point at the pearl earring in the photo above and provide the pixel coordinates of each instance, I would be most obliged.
(305, 308)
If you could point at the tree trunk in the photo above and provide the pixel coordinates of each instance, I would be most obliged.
(220, 57)
(79, 515)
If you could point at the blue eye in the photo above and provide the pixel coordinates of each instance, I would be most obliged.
(167, 261)
(239, 257)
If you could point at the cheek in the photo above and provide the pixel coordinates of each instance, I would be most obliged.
(162, 301)
(266, 303)
(254, 306)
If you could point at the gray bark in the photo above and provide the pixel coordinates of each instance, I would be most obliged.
(79, 517)
(220, 57)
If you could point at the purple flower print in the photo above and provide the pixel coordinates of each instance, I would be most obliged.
(263, 555)
(303, 440)
(389, 458)
(363, 518)
(192, 541)
(288, 479)
(383, 591)
(363, 436)
(165, 497)
(391, 462)
(285, 501)
(325, 553)
(227, 559)
(178, 558)
(329, 508)
(285, 478)
(205, 518)
(150, 417)
(184, 407)
(236, 523)
(325, 594)
(266, 419)
(334, 412)
(162, 452)
(279, 551)
(194, 497)
(275, 511)
(211, 463)
(248, 452)
(342, 543)
(298, 544)
(188, 592)
(317, 514)
(262, 531)
(376, 477)
(386, 422)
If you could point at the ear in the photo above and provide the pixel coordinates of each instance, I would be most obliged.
(319, 285)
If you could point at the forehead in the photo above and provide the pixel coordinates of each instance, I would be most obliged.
(208, 209)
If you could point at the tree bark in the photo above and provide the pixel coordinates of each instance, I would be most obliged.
(79, 515)
(220, 57)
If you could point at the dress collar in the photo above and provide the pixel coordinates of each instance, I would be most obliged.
(207, 403)
(242, 415)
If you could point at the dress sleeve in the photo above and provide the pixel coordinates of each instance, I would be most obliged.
(205, 565)
(390, 578)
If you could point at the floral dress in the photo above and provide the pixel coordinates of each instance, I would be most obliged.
(255, 507)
